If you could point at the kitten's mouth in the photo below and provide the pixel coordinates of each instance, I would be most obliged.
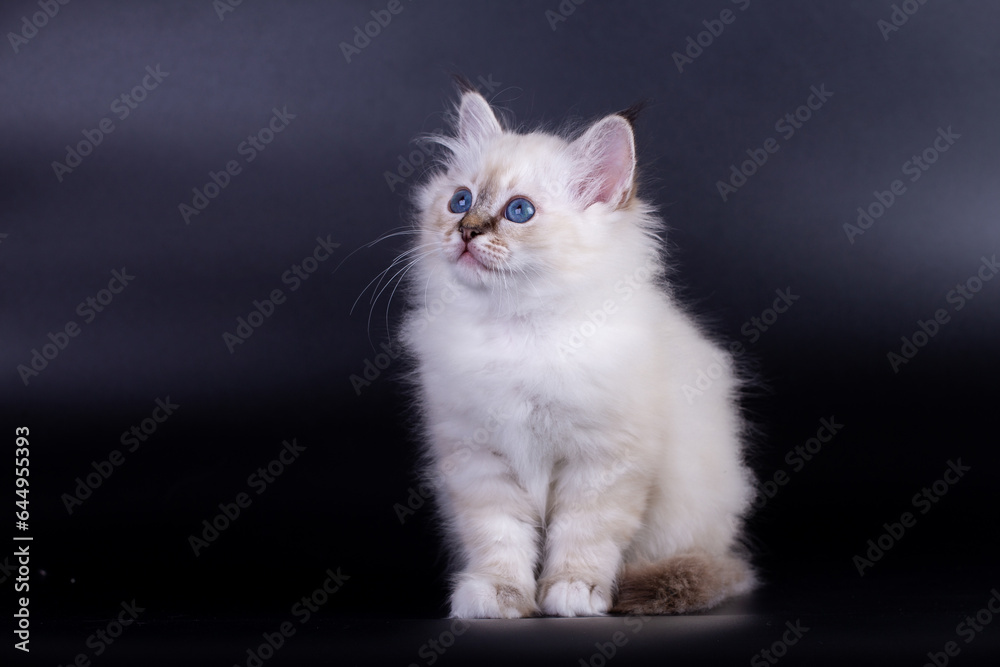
(470, 260)
(471, 257)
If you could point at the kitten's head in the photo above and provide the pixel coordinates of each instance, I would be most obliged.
(536, 208)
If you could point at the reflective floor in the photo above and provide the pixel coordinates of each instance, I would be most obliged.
(922, 617)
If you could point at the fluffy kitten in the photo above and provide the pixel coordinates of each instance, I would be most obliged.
(574, 475)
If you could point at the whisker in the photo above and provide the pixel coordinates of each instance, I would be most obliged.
(378, 278)
(398, 274)
(393, 293)
(427, 286)
(401, 257)
(396, 231)
(527, 276)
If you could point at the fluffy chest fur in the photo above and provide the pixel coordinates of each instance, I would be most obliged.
(561, 377)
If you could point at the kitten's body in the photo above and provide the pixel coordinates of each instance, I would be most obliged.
(573, 473)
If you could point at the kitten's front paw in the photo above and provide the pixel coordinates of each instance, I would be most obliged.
(574, 597)
(487, 597)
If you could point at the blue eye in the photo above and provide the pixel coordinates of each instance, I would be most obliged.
(461, 201)
(519, 210)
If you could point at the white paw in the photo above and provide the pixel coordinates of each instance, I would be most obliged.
(477, 596)
(573, 597)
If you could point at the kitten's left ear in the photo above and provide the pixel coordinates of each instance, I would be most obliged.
(476, 120)
(605, 158)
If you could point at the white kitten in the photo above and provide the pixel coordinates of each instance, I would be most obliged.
(573, 475)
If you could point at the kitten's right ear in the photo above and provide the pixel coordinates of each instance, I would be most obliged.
(476, 120)
(605, 158)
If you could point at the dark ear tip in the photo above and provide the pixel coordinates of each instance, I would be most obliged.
(463, 83)
(632, 113)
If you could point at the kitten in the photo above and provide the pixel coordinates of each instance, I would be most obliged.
(574, 475)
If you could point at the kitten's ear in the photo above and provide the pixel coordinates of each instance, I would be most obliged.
(476, 120)
(605, 158)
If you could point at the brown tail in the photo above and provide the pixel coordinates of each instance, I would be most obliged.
(681, 584)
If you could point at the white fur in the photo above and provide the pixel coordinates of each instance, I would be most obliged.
(550, 373)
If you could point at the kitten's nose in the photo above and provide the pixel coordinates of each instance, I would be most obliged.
(473, 224)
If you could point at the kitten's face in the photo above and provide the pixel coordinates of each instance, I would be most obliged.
(501, 216)
(519, 209)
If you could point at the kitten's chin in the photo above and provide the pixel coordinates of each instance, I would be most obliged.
(471, 271)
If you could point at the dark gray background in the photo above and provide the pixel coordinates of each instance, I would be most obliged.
(324, 176)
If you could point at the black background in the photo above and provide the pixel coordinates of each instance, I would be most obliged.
(325, 176)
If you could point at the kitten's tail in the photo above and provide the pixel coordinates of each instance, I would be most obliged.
(681, 584)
